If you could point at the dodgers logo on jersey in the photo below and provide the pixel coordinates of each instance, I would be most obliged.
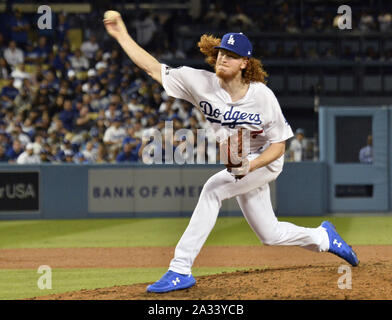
(230, 118)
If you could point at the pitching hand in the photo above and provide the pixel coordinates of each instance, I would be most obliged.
(115, 27)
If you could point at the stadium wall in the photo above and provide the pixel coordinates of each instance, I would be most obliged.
(71, 191)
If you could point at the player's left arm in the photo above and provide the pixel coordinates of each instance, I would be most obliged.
(273, 152)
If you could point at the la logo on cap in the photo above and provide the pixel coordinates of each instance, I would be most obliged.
(231, 40)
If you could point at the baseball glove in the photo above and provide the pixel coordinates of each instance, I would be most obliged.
(234, 155)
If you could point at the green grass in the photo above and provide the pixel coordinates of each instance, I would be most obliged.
(22, 284)
(228, 231)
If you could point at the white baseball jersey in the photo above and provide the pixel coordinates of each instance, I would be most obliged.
(258, 111)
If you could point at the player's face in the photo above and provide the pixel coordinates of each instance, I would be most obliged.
(229, 65)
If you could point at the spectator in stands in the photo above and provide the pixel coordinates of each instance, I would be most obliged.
(172, 52)
(38, 143)
(66, 148)
(371, 54)
(113, 58)
(62, 28)
(14, 151)
(84, 121)
(145, 28)
(99, 128)
(28, 128)
(19, 74)
(23, 100)
(366, 153)
(308, 18)
(240, 20)
(112, 112)
(90, 152)
(366, 22)
(298, 146)
(60, 61)
(19, 28)
(42, 50)
(3, 156)
(68, 115)
(329, 54)
(5, 69)
(8, 94)
(98, 58)
(13, 55)
(292, 27)
(28, 156)
(115, 134)
(90, 47)
(68, 156)
(384, 21)
(4, 139)
(132, 138)
(102, 154)
(46, 156)
(347, 54)
(296, 53)
(52, 82)
(129, 153)
(79, 62)
(312, 54)
(216, 17)
(18, 133)
(279, 52)
(2, 44)
(30, 56)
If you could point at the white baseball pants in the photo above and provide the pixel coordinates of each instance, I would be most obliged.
(253, 196)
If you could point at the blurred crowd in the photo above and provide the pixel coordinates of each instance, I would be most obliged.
(90, 104)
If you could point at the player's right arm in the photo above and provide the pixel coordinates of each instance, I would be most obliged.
(117, 29)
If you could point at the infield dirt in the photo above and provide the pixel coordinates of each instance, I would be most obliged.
(274, 272)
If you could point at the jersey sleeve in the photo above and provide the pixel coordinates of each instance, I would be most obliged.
(278, 129)
(178, 82)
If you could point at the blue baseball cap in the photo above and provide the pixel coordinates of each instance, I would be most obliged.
(237, 43)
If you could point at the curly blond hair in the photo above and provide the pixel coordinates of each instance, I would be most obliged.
(253, 72)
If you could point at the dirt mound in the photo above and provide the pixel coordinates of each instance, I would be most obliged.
(368, 281)
(274, 272)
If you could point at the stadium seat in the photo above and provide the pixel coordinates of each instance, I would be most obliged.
(75, 37)
(346, 83)
(276, 82)
(387, 44)
(310, 80)
(309, 44)
(371, 43)
(372, 83)
(353, 45)
(330, 83)
(388, 83)
(81, 75)
(2, 83)
(30, 68)
(289, 45)
(295, 83)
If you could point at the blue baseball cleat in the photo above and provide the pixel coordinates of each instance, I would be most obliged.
(171, 281)
(338, 246)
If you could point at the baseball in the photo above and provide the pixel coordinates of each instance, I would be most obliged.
(111, 15)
